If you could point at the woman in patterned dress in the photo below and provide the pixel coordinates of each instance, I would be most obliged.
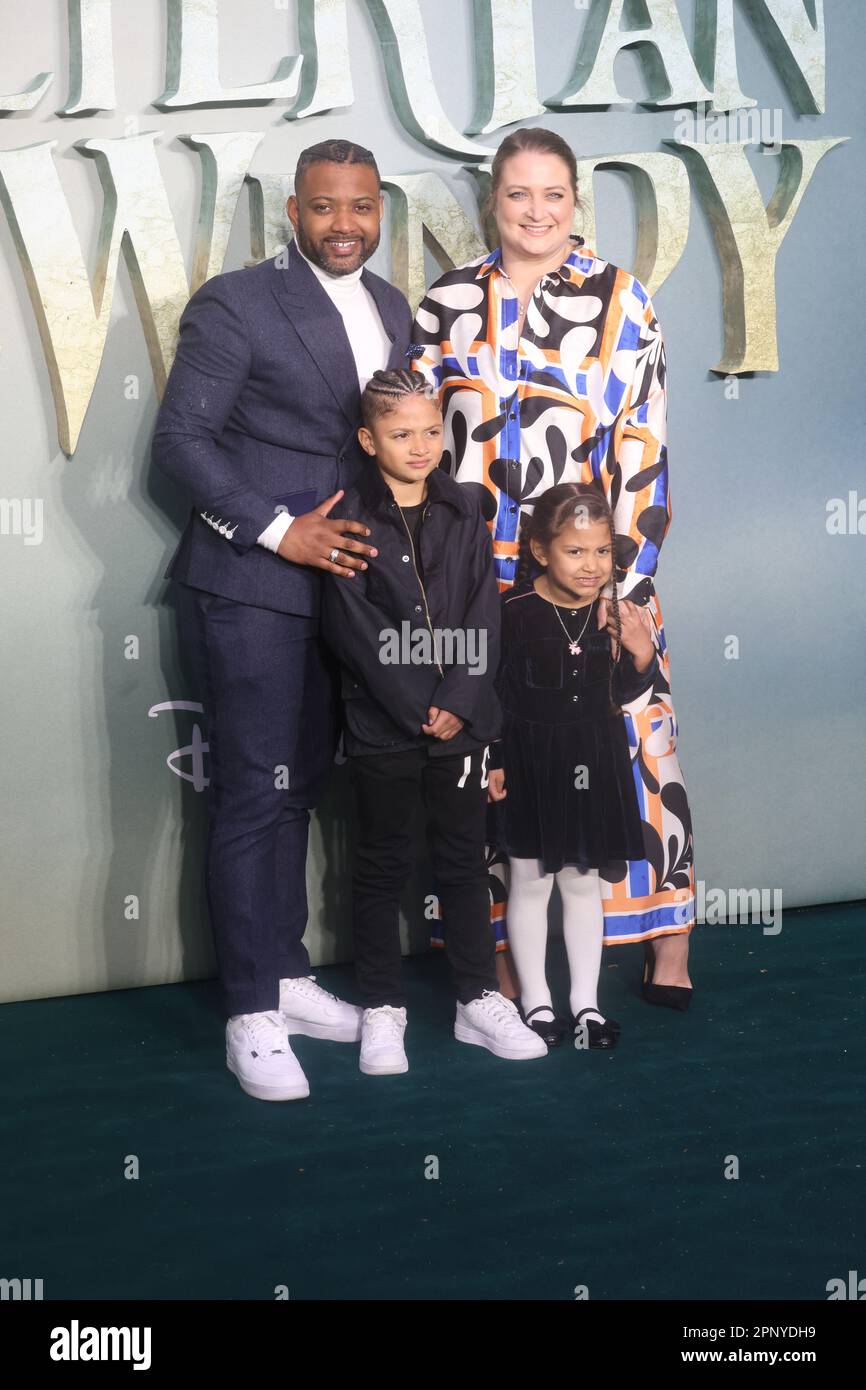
(551, 368)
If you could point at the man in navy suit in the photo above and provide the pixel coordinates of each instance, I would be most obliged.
(258, 425)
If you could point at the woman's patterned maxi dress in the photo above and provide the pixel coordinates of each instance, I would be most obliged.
(580, 395)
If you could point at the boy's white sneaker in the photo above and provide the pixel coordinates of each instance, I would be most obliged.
(259, 1055)
(493, 1022)
(307, 1008)
(382, 1051)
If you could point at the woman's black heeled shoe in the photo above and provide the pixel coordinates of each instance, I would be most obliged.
(666, 996)
(598, 1034)
(551, 1030)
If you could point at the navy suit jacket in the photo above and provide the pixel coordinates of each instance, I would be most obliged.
(260, 415)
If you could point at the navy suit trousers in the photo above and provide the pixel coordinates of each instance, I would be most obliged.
(269, 694)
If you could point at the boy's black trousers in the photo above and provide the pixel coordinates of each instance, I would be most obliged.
(389, 787)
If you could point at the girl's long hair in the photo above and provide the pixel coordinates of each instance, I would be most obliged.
(555, 509)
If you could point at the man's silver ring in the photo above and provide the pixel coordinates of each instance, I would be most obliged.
(333, 555)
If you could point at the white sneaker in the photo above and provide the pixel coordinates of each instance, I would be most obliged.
(259, 1055)
(309, 1009)
(382, 1051)
(493, 1022)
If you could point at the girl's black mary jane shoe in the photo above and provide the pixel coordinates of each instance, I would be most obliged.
(552, 1031)
(596, 1033)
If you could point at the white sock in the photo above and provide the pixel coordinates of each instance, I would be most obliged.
(528, 897)
(583, 929)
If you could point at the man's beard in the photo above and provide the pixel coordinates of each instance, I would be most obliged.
(314, 254)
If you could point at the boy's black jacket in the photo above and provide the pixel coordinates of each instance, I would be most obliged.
(386, 704)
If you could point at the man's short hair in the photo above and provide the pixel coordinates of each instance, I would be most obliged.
(335, 152)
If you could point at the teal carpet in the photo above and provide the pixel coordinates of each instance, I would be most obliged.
(604, 1170)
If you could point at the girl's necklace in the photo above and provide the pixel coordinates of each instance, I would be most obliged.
(573, 642)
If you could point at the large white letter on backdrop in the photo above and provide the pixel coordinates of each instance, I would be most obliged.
(793, 34)
(410, 79)
(72, 315)
(672, 77)
(91, 59)
(192, 63)
(748, 237)
(506, 89)
(662, 196)
(792, 31)
(423, 203)
(716, 54)
(326, 75)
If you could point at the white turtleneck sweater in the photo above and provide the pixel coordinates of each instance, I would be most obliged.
(368, 340)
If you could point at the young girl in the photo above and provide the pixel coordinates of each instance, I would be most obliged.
(564, 777)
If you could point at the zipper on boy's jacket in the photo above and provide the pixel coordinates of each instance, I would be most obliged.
(420, 585)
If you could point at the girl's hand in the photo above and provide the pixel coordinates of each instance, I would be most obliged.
(496, 784)
(441, 724)
(644, 613)
(635, 636)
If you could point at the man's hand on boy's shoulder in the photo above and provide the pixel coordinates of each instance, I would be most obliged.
(313, 535)
(441, 724)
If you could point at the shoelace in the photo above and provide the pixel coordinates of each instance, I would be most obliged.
(498, 1007)
(264, 1031)
(385, 1022)
(302, 986)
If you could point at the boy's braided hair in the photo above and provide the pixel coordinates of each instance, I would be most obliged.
(385, 390)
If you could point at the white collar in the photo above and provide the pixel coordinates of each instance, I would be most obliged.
(337, 286)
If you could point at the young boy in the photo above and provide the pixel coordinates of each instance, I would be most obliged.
(417, 636)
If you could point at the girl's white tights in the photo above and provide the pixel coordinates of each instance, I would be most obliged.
(582, 925)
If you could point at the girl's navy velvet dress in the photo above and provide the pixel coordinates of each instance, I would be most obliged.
(571, 796)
